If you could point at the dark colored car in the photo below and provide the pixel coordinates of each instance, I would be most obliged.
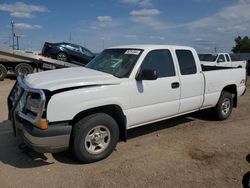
(68, 52)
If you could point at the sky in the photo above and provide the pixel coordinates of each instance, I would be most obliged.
(206, 25)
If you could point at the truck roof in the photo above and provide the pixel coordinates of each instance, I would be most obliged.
(149, 46)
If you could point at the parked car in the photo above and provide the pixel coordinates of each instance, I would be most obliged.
(220, 59)
(90, 108)
(67, 52)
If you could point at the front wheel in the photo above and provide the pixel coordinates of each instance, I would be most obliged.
(224, 106)
(95, 137)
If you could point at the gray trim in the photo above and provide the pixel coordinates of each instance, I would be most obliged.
(46, 144)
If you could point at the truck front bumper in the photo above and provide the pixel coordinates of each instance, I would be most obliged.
(54, 139)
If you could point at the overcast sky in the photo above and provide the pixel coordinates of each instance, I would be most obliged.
(203, 24)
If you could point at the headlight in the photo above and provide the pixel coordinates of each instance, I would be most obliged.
(32, 107)
(33, 103)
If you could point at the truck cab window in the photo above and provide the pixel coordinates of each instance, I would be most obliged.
(161, 61)
(227, 57)
(186, 62)
(221, 58)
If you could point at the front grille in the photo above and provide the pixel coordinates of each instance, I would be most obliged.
(31, 111)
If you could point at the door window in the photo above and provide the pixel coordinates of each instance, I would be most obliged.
(161, 61)
(186, 62)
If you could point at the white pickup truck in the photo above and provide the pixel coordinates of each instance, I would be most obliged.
(221, 59)
(89, 109)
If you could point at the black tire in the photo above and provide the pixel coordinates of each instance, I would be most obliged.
(248, 67)
(23, 69)
(62, 56)
(3, 72)
(224, 106)
(89, 131)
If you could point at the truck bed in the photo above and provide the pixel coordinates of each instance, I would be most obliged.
(216, 78)
(211, 68)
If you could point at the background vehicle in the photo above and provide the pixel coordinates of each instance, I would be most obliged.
(242, 57)
(220, 59)
(90, 108)
(22, 62)
(67, 52)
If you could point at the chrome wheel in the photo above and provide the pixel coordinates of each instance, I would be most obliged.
(97, 139)
(225, 107)
(62, 57)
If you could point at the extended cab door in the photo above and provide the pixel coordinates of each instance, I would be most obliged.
(191, 80)
(152, 100)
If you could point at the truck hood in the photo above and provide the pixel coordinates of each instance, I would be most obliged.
(69, 78)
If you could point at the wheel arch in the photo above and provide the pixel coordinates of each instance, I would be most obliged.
(115, 111)
(232, 89)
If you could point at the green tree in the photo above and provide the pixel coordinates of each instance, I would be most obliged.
(242, 45)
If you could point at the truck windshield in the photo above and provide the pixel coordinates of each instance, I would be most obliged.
(208, 57)
(118, 62)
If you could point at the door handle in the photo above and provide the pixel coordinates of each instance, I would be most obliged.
(175, 85)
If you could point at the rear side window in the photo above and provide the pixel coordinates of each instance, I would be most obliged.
(161, 61)
(227, 57)
(86, 52)
(186, 62)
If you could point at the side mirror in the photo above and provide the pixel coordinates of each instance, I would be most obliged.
(146, 74)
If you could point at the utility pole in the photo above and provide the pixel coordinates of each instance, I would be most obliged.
(17, 40)
(215, 50)
(13, 34)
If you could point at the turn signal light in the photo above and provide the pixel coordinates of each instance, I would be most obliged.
(44, 124)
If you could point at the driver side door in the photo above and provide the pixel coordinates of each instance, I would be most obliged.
(155, 99)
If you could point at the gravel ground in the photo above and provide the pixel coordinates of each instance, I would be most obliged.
(189, 151)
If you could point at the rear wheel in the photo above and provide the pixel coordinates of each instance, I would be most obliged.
(95, 137)
(23, 69)
(224, 106)
(3, 72)
(62, 56)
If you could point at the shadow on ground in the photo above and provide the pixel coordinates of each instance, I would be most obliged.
(14, 153)
(11, 77)
(68, 158)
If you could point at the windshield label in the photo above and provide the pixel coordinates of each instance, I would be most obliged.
(133, 52)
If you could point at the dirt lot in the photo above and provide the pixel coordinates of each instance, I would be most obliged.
(191, 151)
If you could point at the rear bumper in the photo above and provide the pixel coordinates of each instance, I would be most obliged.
(54, 139)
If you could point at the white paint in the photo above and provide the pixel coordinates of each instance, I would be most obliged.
(225, 63)
(141, 101)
